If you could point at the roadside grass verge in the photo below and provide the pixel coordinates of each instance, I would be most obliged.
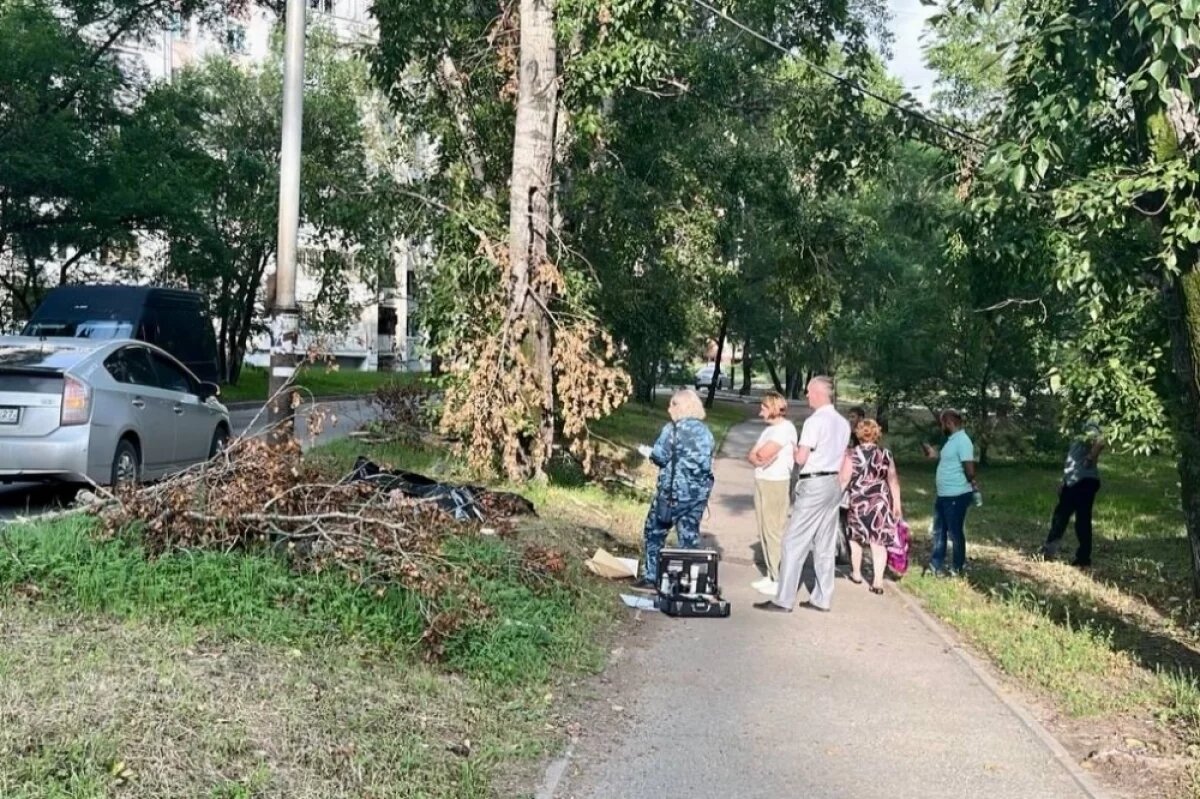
(210, 674)
(225, 674)
(1116, 649)
(318, 381)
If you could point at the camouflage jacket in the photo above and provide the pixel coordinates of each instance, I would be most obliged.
(693, 478)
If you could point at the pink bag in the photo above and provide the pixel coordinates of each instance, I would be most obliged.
(898, 551)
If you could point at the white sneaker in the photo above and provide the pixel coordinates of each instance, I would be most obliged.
(768, 587)
(761, 581)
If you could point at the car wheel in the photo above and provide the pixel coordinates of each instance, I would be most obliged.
(126, 465)
(219, 440)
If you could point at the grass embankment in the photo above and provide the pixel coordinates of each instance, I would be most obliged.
(1114, 649)
(223, 675)
(314, 380)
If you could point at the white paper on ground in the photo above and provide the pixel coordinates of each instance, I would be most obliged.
(607, 565)
(639, 602)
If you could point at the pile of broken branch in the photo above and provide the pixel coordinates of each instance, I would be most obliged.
(258, 495)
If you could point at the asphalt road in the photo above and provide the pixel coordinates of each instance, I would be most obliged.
(333, 421)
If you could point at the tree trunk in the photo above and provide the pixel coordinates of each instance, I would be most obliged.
(716, 378)
(882, 411)
(774, 376)
(530, 203)
(747, 365)
(1182, 297)
(452, 82)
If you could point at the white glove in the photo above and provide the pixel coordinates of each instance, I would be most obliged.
(644, 451)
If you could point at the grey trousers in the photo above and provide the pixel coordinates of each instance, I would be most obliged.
(813, 527)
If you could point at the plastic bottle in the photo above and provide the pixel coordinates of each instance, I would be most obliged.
(978, 498)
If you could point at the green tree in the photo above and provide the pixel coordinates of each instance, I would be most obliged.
(76, 156)
(1101, 125)
(456, 70)
(226, 243)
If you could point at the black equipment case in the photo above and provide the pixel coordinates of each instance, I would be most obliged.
(688, 584)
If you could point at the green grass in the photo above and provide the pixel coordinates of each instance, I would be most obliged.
(256, 597)
(229, 675)
(1113, 645)
(636, 423)
(315, 380)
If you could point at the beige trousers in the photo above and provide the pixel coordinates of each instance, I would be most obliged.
(771, 510)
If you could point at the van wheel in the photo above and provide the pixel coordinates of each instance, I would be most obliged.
(127, 464)
(219, 440)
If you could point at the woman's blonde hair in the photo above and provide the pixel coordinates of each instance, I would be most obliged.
(775, 403)
(685, 404)
(868, 431)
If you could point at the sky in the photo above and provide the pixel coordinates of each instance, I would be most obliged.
(907, 62)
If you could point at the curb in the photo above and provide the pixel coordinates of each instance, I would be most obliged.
(1084, 780)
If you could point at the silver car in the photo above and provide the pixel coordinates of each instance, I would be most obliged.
(77, 410)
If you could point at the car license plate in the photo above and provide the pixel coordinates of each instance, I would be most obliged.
(9, 415)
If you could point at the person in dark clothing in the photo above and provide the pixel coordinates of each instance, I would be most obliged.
(1077, 495)
(855, 415)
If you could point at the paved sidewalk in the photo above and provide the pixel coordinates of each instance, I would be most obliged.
(862, 702)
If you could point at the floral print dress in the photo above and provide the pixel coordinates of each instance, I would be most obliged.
(871, 519)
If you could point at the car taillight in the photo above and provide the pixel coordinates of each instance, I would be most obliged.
(76, 401)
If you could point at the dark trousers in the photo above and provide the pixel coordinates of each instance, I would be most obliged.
(1074, 500)
(685, 520)
(949, 523)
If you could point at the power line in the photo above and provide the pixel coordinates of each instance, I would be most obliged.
(912, 112)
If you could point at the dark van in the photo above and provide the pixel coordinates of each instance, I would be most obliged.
(173, 319)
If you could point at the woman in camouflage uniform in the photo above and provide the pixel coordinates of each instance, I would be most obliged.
(683, 455)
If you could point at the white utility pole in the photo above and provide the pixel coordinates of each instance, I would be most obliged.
(285, 321)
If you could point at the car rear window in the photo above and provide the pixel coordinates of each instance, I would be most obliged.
(48, 356)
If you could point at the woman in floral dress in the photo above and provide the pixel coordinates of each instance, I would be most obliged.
(870, 478)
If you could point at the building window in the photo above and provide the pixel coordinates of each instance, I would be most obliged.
(324, 6)
(235, 39)
(178, 25)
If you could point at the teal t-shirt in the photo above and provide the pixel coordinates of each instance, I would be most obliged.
(951, 479)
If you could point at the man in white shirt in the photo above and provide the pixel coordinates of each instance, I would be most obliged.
(813, 526)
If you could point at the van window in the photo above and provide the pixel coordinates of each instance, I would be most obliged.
(79, 327)
(180, 329)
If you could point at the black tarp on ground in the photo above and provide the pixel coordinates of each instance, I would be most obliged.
(463, 502)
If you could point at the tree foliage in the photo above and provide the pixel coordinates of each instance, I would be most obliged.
(77, 154)
(225, 243)
(1100, 130)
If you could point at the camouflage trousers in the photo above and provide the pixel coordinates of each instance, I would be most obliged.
(686, 521)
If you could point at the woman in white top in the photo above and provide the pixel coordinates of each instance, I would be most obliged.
(772, 457)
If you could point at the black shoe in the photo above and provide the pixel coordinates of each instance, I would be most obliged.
(1080, 565)
(770, 607)
(811, 606)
